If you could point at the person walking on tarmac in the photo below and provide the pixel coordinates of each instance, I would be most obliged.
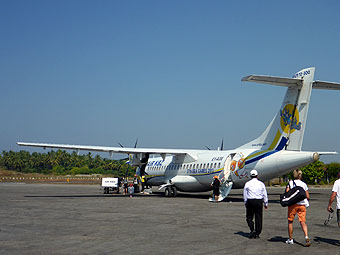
(254, 195)
(335, 194)
(216, 188)
(298, 208)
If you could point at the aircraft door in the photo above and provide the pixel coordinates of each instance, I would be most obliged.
(225, 174)
(237, 166)
(226, 178)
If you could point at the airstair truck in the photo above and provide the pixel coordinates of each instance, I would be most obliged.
(110, 184)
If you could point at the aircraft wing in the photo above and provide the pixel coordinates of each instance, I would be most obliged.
(112, 150)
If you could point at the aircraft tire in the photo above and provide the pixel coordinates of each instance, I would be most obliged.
(167, 192)
(173, 191)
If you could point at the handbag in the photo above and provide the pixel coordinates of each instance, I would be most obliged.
(292, 196)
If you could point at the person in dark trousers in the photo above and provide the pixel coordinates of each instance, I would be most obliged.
(143, 183)
(254, 195)
(136, 184)
(216, 188)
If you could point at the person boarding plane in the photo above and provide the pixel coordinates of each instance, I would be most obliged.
(274, 153)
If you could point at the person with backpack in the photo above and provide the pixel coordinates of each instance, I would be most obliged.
(299, 208)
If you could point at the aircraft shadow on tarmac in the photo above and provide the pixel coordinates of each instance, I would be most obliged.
(205, 196)
(154, 194)
(77, 196)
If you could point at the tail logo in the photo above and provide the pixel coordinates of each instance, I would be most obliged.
(289, 120)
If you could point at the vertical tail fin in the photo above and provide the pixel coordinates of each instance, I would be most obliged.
(287, 129)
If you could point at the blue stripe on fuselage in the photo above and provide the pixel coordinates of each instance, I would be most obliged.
(280, 146)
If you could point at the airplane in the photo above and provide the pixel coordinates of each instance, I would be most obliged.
(277, 151)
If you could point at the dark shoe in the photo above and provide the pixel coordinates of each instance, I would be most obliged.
(257, 237)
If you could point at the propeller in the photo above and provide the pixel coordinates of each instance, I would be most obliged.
(218, 148)
(135, 146)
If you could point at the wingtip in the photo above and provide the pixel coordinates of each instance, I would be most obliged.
(246, 78)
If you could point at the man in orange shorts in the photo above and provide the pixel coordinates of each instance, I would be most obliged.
(298, 208)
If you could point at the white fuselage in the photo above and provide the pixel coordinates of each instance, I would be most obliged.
(198, 175)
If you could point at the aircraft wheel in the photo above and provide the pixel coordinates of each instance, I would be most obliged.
(167, 192)
(173, 191)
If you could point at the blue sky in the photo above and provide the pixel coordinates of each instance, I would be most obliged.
(167, 72)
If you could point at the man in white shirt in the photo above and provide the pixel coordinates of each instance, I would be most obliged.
(254, 195)
(335, 193)
(298, 208)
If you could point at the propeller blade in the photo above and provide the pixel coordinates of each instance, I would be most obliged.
(120, 144)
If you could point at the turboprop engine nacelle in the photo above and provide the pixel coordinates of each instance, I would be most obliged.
(138, 159)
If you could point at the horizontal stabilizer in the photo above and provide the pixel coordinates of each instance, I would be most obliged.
(290, 82)
(326, 85)
(327, 153)
(279, 81)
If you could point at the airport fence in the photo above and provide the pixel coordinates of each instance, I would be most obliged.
(51, 179)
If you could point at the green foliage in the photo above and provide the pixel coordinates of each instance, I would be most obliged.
(318, 173)
(331, 171)
(313, 173)
(61, 163)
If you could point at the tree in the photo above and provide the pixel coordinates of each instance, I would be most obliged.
(332, 171)
(313, 173)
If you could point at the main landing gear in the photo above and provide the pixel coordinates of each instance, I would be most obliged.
(170, 191)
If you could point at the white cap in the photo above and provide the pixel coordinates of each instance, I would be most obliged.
(253, 173)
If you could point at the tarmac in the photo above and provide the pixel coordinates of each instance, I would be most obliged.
(80, 219)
